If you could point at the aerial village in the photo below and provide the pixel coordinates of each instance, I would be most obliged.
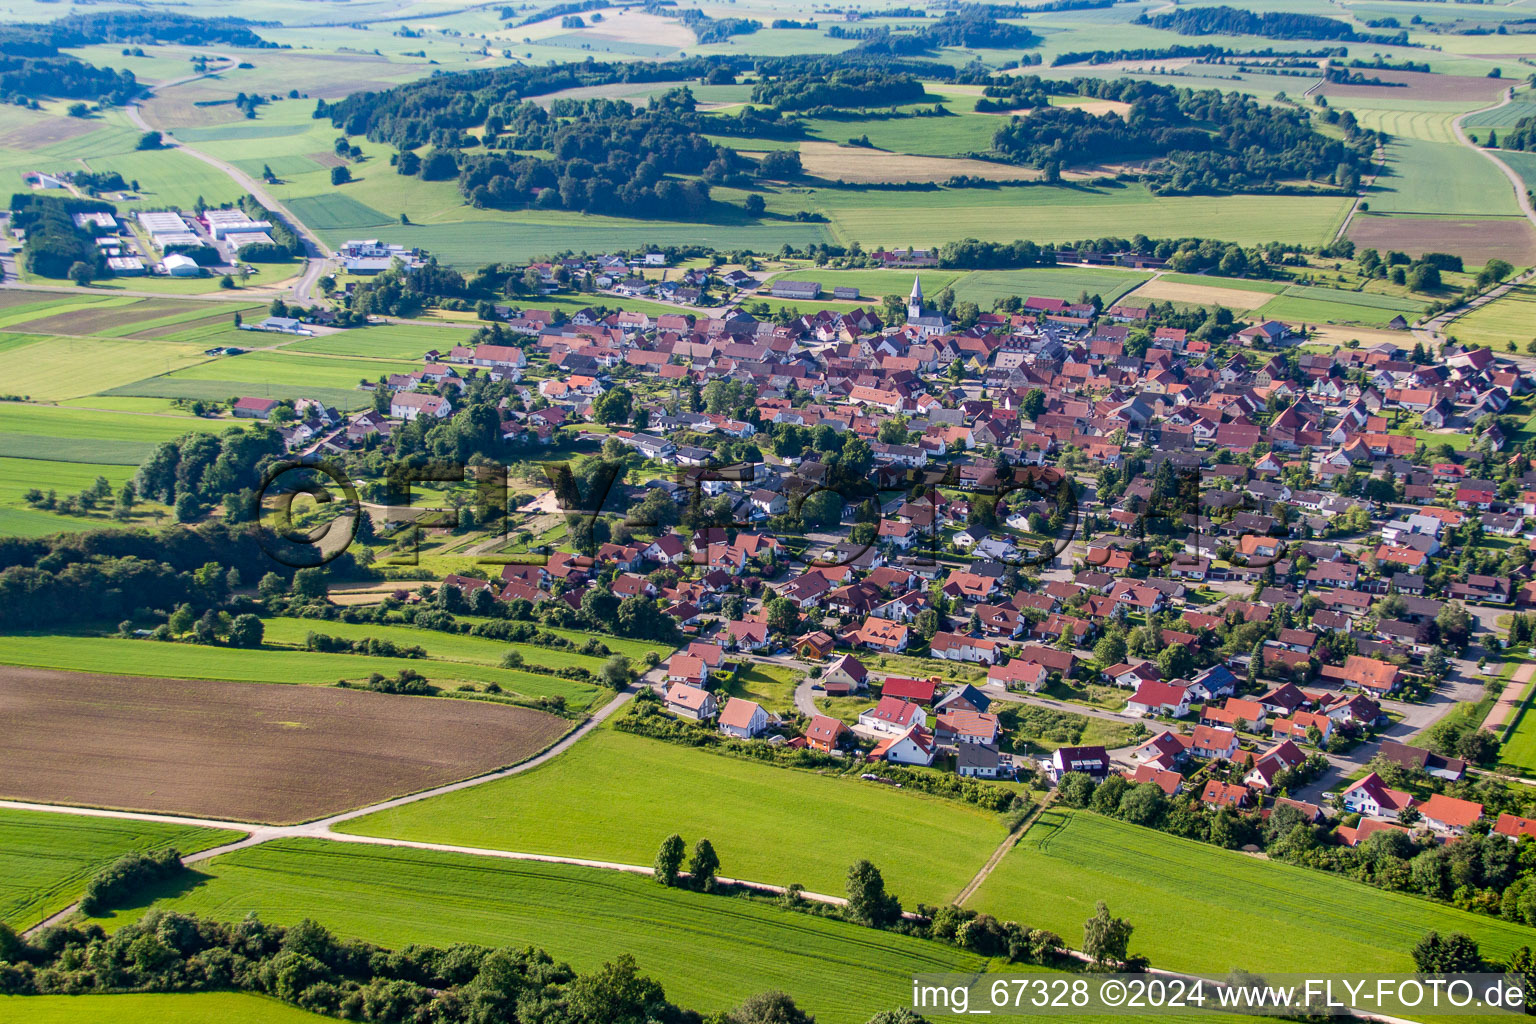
(1266, 559)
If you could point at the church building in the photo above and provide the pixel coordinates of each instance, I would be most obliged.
(927, 322)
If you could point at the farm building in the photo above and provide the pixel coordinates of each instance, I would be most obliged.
(796, 289)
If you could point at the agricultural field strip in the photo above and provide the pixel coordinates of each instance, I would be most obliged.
(117, 656)
(46, 859)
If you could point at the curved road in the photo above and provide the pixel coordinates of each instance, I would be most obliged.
(1521, 193)
(315, 253)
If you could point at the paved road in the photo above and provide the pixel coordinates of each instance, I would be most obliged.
(315, 252)
(1515, 180)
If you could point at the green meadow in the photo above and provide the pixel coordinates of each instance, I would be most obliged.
(710, 952)
(1509, 318)
(440, 646)
(1199, 908)
(1440, 178)
(617, 795)
(47, 858)
(154, 1008)
(71, 434)
(19, 475)
(115, 656)
(54, 369)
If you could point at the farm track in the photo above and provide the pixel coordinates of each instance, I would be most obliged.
(322, 828)
(1521, 195)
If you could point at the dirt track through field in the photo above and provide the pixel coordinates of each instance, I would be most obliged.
(1508, 705)
(246, 751)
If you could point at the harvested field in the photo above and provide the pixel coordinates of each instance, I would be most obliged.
(43, 131)
(1418, 85)
(1506, 238)
(1333, 337)
(855, 164)
(97, 319)
(1098, 108)
(243, 751)
(1200, 294)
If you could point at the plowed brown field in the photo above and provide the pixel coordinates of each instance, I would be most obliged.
(244, 751)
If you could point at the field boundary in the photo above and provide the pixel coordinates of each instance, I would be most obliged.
(1508, 709)
(1008, 843)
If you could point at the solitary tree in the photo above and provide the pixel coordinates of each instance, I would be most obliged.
(703, 865)
(1106, 938)
(868, 902)
(246, 631)
(1451, 954)
(669, 859)
(615, 672)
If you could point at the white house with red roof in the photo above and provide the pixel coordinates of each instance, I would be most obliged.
(1019, 674)
(893, 715)
(959, 647)
(1449, 814)
(1211, 742)
(1282, 756)
(1154, 697)
(743, 719)
(1372, 797)
(687, 668)
(1165, 750)
(914, 746)
(1171, 783)
(1514, 826)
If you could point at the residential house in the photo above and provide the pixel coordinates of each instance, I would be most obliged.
(691, 702)
(743, 719)
(893, 715)
(1371, 796)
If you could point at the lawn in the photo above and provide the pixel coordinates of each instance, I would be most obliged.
(19, 475)
(1519, 750)
(47, 858)
(616, 796)
(115, 656)
(386, 341)
(1063, 213)
(68, 434)
(1334, 311)
(1199, 908)
(710, 952)
(294, 370)
(167, 178)
(634, 650)
(154, 1008)
(769, 685)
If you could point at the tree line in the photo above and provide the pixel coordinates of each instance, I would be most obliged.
(1204, 52)
(1230, 21)
(845, 87)
(972, 26)
(1206, 141)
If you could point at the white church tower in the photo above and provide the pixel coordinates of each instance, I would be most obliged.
(915, 302)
